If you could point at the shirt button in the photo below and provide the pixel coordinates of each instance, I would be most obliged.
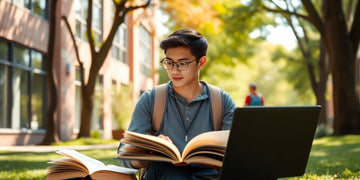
(187, 118)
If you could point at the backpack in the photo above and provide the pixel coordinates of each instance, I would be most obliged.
(160, 99)
(255, 100)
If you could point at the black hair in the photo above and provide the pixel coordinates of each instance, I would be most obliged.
(253, 85)
(189, 38)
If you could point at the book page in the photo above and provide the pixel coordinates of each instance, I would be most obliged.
(90, 163)
(67, 164)
(65, 175)
(205, 160)
(145, 157)
(211, 139)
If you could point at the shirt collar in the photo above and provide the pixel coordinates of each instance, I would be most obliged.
(204, 94)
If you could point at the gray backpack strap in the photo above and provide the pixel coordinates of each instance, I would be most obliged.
(216, 106)
(159, 106)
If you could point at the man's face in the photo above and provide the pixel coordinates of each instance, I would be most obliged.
(181, 56)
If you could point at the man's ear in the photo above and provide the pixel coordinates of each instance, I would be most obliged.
(202, 62)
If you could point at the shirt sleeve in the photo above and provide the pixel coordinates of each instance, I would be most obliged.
(228, 110)
(140, 119)
(247, 100)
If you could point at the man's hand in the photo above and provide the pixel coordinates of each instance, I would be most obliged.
(165, 137)
(140, 164)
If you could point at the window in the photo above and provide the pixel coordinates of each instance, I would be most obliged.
(119, 48)
(81, 7)
(78, 101)
(97, 116)
(23, 93)
(4, 85)
(145, 51)
(38, 7)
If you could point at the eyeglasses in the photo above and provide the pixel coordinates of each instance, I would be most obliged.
(169, 64)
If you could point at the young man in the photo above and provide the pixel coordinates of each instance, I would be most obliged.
(188, 110)
(254, 99)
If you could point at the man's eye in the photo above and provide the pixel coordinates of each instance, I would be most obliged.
(169, 62)
(182, 64)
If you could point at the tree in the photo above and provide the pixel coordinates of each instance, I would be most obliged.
(226, 45)
(340, 38)
(342, 44)
(98, 56)
(317, 70)
(51, 134)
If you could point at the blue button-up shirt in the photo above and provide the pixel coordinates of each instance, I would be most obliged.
(180, 117)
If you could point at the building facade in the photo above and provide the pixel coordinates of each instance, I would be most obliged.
(24, 35)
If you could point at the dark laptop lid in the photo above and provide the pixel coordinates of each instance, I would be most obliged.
(269, 142)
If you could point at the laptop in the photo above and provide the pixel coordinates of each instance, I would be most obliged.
(269, 142)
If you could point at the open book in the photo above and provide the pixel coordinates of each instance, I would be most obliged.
(206, 148)
(77, 165)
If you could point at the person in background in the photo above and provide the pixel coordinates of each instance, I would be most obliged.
(254, 98)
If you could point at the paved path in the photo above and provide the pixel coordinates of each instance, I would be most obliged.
(32, 148)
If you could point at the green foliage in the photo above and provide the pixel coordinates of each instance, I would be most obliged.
(272, 82)
(122, 107)
(163, 76)
(95, 134)
(85, 141)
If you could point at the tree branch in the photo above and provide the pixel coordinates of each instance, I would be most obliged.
(287, 12)
(131, 8)
(314, 16)
(81, 64)
(89, 27)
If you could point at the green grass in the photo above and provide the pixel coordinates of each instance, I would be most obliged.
(330, 158)
(86, 141)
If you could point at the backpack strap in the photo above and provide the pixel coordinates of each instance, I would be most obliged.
(159, 106)
(216, 106)
(160, 99)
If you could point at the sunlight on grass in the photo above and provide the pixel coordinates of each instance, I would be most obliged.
(331, 158)
(86, 141)
(334, 158)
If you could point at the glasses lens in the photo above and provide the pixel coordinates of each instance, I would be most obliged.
(167, 64)
(182, 66)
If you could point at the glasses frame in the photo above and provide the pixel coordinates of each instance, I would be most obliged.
(181, 68)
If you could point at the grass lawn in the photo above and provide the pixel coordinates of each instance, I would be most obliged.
(330, 158)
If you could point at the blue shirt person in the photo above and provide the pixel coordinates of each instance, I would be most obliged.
(187, 108)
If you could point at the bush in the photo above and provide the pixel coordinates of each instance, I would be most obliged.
(322, 131)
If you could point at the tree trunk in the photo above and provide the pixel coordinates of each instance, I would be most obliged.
(51, 135)
(87, 96)
(321, 88)
(86, 112)
(342, 61)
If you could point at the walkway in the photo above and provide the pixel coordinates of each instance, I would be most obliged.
(55, 148)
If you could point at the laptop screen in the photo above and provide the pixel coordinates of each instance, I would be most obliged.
(269, 142)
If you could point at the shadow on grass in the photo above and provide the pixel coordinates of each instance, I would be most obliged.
(334, 155)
